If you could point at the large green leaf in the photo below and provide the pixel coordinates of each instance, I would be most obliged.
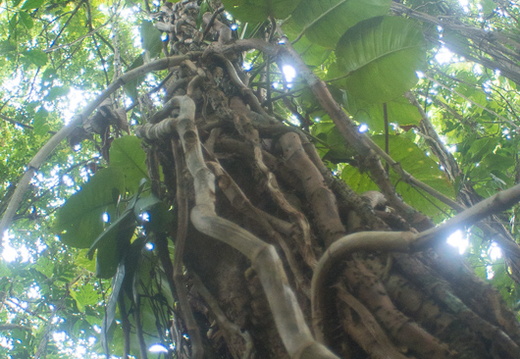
(36, 57)
(158, 216)
(332, 146)
(112, 248)
(110, 312)
(151, 38)
(414, 161)
(26, 19)
(312, 53)
(80, 220)
(259, 10)
(124, 220)
(84, 295)
(128, 156)
(399, 111)
(379, 58)
(32, 4)
(131, 87)
(325, 21)
(424, 168)
(357, 180)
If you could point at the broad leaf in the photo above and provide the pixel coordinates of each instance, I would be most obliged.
(158, 216)
(41, 122)
(36, 57)
(84, 295)
(414, 161)
(26, 20)
(80, 220)
(399, 111)
(379, 58)
(325, 21)
(7, 46)
(359, 181)
(32, 4)
(311, 53)
(125, 220)
(151, 38)
(110, 313)
(57, 91)
(128, 156)
(260, 10)
(332, 146)
(131, 87)
(111, 250)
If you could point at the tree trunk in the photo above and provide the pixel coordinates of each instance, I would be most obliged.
(269, 181)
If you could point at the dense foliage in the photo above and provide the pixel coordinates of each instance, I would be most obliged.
(433, 83)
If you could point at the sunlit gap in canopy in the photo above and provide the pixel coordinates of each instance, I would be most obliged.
(289, 73)
(444, 56)
(158, 348)
(72, 104)
(458, 240)
(464, 4)
(9, 253)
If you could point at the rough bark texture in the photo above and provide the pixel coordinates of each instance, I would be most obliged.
(270, 182)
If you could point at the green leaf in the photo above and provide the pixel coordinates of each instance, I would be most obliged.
(84, 295)
(131, 86)
(110, 314)
(325, 21)
(5, 272)
(36, 57)
(158, 215)
(41, 122)
(151, 38)
(80, 220)
(357, 180)
(479, 147)
(123, 221)
(32, 4)
(413, 160)
(57, 91)
(7, 46)
(488, 6)
(127, 155)
(81, 260)
(26, 20)
(400, 111)
(311, 53)
(45, 266)
(260, 10)
(379, 58)
(113, 247)
(335, 149)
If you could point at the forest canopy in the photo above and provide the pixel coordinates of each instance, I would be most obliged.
(141, 140)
